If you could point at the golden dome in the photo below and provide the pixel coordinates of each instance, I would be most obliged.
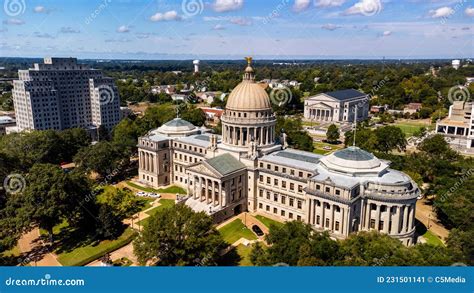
(248, 95)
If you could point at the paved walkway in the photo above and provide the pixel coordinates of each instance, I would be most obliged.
(425, 214)
(34, 250)
(126, 251)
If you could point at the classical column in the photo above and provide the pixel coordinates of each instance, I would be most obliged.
(220, 195)
(377, 217)
(405, 219)
(386, 222)
(323, 216)
(411, 218)
(396, 221)
(367, 216)
(308, 210)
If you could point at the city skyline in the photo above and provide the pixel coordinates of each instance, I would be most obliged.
(226, 29)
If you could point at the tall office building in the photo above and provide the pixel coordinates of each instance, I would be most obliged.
(60, 94)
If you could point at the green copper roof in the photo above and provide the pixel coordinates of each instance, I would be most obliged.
(177, 122)
(354, 154)
(225, 164)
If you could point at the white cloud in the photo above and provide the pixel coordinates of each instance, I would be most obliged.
(14, 21)
(241, 21)
(330, 27)
(227, 5)
(43, 35)
(387, 33)
(39, 9)
(442, 12)
(69, 30)
(469, 11)
(365, 7)
(218, 27)
(329, 3)
(123, 29)
(301, 5)
(167, 16)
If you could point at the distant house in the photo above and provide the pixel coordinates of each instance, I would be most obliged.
(378, 109)
(6, 121)
(213, 114)
(179, 97)
(412, 108)
(209, 97)
(337, 106)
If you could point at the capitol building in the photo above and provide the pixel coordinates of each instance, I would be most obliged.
(248, 169)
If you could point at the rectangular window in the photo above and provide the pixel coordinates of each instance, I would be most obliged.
(267, 208)
(300, 174)
(283, 170)
(318, 218)
(338, 192)
(300, 188)
(292, 201)
(283, 199)
(328, 189)
(268, 180)
(300, 204)
(372, 224)
(260, 193)
(275, 211)
(268, 194)
(283, 184)
(275, 197)
(292, 186)
(290, 215)
(337, 226)
(283, 213)
(275, 182)
(261, 178)
(298, 218)
(260, 206)
(327, 223)
(276, 168)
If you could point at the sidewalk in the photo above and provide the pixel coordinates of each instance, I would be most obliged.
(33, 249)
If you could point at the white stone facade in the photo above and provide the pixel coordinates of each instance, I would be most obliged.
(339, 106)
(246, 170)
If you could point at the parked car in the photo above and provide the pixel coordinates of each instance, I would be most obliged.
(156, 195)
(141, 193)
(256, 229)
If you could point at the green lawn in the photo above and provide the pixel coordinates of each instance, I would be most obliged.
(171, 189)
(236, 230)
(56, 229)
(432, 239)
(410, 127)
(244, 253)
(85, 254)
(318, 147)
(268, 222)
(165, 203)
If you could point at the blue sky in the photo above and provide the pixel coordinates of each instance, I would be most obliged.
(231, 29)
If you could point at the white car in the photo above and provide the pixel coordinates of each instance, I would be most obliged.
(141, 193)
(155, 195)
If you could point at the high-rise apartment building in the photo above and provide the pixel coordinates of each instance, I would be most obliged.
(60, 94)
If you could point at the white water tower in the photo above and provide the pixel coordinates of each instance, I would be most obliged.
(196, 66)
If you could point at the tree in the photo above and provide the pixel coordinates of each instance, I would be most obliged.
(122, 202)
(193, 115)
(389, 138)
(179, 236)
(109, 225)
(72, 140)
(436, 147)
(332, 134)
(102, 158)
(51, 195)
(125, 135)
(461, 245)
